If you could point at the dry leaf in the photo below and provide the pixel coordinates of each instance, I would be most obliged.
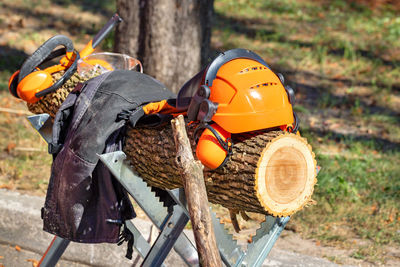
(17, 248)
(6, 186)
(391, 218)
(225, 220)
(10, 146)
(35, 263)
(374, 209)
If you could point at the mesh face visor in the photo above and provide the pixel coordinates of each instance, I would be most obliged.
(188, 90)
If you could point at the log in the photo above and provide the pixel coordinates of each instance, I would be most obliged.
(269, 172)
(193, 182)
(51, 102)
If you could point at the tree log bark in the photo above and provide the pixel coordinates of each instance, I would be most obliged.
(250, 181)
(196, 196)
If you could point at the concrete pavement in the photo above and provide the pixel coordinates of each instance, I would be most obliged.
(21, 225)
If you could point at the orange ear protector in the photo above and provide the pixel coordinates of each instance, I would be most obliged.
(214, 146)
(30, 83)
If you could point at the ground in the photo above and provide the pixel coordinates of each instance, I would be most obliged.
(341, 58)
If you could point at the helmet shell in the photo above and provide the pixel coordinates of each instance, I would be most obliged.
(250, 97)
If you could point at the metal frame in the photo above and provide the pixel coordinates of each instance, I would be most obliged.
(169, 220)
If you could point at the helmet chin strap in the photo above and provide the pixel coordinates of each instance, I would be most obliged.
(296, 124)
(226, 145)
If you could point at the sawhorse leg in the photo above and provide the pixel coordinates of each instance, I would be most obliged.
(54, 252)
(173, 227)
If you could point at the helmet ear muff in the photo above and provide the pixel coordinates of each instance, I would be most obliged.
(214, 146)
(33, 83)
(29, 83)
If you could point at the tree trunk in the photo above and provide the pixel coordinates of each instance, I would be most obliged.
(170, 38)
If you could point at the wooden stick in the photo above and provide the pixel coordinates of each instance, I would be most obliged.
(233, 214)
(196, 195)
(29, 149)
(15, 111)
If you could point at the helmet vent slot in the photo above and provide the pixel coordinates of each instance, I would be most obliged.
(253, 69)
(262, 85)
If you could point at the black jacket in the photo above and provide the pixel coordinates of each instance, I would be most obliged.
(83, 198)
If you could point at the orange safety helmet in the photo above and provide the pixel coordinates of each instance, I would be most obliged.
(240, 93)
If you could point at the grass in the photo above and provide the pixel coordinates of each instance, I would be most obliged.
(24, 163)
(317, 35)
(358, 187)
(357, 195)
(342, 59)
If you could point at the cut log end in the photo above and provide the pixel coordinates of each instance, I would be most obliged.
(286, 175)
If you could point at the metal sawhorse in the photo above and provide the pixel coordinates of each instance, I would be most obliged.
(170, 220)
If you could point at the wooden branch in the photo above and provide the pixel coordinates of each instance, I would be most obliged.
(29, 149)
(233, 215)
(196, 195)
(15, 111)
